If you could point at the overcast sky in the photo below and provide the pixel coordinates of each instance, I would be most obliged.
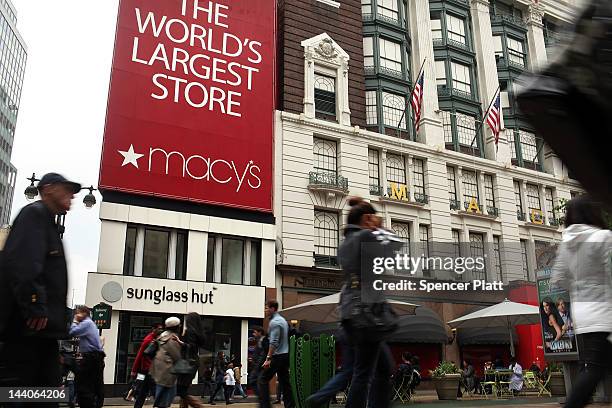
(62, 111)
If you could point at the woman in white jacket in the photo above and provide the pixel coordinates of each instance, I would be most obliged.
(583, 267)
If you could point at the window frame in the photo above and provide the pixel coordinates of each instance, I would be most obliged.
(321, 149)
(333, 236)
(472, 187)
(374, 169)
(392, 171)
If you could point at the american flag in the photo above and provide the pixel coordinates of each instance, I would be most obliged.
(417, 100)
(494, 117)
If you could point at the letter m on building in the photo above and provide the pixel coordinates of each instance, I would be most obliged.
(399, 192)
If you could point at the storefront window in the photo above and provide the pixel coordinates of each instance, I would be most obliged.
(210, 260)
(130, 252)
(221, 333)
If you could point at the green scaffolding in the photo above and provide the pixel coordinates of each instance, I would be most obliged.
(312, 364)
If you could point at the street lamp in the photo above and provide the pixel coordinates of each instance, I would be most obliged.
(31, 192)
(90, 199)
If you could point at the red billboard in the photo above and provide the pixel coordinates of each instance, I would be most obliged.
(191, 102)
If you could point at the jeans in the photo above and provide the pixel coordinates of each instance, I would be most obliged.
(227, 392)
(279, 366)
(164, 396)
(142, 389)
(219, 386)
(339, 381)
(372, 367)
(596, 356)
(238, 389)
(30, 362)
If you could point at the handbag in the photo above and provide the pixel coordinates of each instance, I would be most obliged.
(184, 366)
(370, 322)
(151, 349)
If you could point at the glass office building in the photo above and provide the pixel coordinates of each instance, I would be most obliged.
(13, 55)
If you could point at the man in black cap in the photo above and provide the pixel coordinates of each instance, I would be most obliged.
(33, 288)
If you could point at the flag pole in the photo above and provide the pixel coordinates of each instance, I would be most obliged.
(485, 117)
(409, 98)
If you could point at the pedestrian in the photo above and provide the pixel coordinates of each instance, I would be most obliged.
(33, 289)
(340, 381)
(143, 382)
(259, 356)
(219, 368)
(168, 353)
(583, 267)
(468, 376)
(229, 383)
(361, 304)
(237, 374)
(193, 339)
(516, 380)
(89, 377)
(277, 358)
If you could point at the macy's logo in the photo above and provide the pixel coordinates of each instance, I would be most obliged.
(197, 167)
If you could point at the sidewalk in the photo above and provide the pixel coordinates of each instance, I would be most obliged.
(423, 399)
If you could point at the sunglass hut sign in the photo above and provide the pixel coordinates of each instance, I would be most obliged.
(190, 112)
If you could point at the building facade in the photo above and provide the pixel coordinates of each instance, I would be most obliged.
(13, 56)
(345, 128)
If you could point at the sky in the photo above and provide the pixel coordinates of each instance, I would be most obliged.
(62, 111)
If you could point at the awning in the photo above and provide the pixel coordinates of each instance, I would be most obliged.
(489, 335)
(423, 327)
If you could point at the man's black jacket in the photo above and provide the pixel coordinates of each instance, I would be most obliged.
(33, 276)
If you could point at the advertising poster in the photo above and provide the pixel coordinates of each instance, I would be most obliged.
(559, 338)
(191, 102)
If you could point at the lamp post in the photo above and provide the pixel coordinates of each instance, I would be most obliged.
(31, 192)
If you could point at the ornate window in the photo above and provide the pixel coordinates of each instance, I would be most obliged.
(326, 238)
(455, 28)
(477, 251)
(470, 185)
(516, 52)
(371, 111)
(518, 199)
(497, 265)
(419, 176)
(390, 55)
(396, 169)
(489, 192)
(368, 52)
(402, 230)
(466, 129)
(447, 124)
(425, 246)
(524, 259)
(374, 169)
(388, 9)
(452, 183)
(325, 156)
(462, 80)
(529, 146)
(325, 94)
(394, 110)
(550, 205)
(533, 199)
(441, 72)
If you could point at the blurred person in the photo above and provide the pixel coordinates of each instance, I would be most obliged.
(516, 380)
(168, 353)
(364, 240)
(498, 363)
(229, 383)
(277, 358)
(237, 374)
(568, 325)
(583, 267)
(468, 375)
(89, 377)
(535, 368)
(193, 339)
(259, 356)
(144, 383)
(219, 368)
(33, 289)
(416, 372)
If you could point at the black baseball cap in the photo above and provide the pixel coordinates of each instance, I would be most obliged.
(54, 178)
